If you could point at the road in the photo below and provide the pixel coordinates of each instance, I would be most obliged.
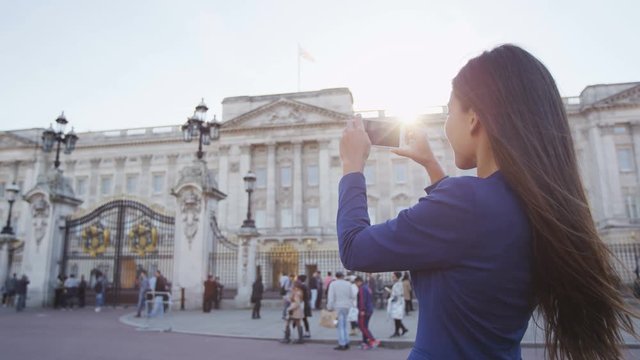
(83, 334)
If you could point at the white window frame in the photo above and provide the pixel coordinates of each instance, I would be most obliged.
(102, 185)
(161, 176)
(623, 167)
(313, 217)
(400, 166)
(286, 218)
(261, 178)
(313, 180)
(136, 177)
(285, 181)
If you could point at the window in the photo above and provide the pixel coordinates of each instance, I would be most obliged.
(286, 219)
(312, 175)
(625, 159)
(261, 218)
(372, 214)
(2, 189)
(105, 185)
(313, 217)
(631, 204)
(158, 183)
(81, 186)
(370, 174)
(261, 178)
(285, 176)
(132, 183)
(400, 173)
(620, 129)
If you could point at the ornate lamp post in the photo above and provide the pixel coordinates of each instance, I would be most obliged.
(197, 127)
(249, 185)
(51, 136)
(12, 191)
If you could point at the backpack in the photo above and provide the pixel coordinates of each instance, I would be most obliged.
(98, 287)
(283, 291)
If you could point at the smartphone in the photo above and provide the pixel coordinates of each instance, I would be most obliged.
(383, 133)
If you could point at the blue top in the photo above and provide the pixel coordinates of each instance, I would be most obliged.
(468, 246)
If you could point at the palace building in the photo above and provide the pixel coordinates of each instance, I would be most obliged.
(139, 198)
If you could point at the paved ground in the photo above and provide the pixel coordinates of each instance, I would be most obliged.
(84, 334)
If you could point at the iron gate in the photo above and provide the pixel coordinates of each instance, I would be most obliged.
(119, 239)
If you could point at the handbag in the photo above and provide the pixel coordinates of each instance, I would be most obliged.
(353, 314)
(328, 319)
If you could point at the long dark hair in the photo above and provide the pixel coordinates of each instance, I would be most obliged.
(576, 288)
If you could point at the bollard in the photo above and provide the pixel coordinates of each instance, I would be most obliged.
(181, 298)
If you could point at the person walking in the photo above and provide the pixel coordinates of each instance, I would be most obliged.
(100, 288)
(286, 284)
(21, 292)
(143, 289)
(395, 306)
(318, 303)
(485, 251)
(70, 291)
(82, 292)
(217, 296)
(340, 298)
(325, 283)
(313, 289)
(256, 297)
(406, 293)
(307, 305)
(210, 293)
(365, 310)
(295, 313)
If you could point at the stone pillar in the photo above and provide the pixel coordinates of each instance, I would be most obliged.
(324, 167)
(119, 178)
(246, 265)
(145, 182)
(271, 185)
(223, 183)
(94, 192)
(5, 243)
(197, 197)
(297, 184)
(615, 199)
(51, 201)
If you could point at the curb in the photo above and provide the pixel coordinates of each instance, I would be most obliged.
(398, 344)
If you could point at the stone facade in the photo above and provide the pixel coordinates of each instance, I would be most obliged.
(291, 142)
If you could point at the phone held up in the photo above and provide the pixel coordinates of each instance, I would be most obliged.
(386, 134)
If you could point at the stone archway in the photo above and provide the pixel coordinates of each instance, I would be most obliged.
(284, 259)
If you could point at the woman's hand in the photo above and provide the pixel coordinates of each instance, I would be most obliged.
(417, 148)
(354, 146)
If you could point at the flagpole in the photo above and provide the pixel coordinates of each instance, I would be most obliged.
(298, 67)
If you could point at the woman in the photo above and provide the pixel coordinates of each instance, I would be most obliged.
(485, 251)
(396, 304)
(256, 297)
(295, 313)
(406, 292)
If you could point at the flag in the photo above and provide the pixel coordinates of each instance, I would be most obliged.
(305, 54)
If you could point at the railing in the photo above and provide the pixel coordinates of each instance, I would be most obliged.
(271, 265)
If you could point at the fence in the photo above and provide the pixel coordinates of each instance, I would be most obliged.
(272, 264)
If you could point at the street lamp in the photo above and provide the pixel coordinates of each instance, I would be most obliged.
(51, 136)
(249, 184)
(197, 127)
(12, 191)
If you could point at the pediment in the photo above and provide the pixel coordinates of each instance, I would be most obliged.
(284, 112)
(629, 97)
(9, 140)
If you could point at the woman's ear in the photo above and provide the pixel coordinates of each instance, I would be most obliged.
(474, 122)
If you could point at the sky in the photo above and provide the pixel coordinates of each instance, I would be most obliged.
(129, 64)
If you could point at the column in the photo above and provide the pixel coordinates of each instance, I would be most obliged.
(297, 184)
(615, 200)
(5, 241)
(144, 186)
(119, 177)
(600, 192)
(271, 185)
(635, 134)
(93, 180)
(223, 185)
(324, 167)
(196, 203)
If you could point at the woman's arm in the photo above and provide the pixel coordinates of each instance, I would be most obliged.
(431, 234)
